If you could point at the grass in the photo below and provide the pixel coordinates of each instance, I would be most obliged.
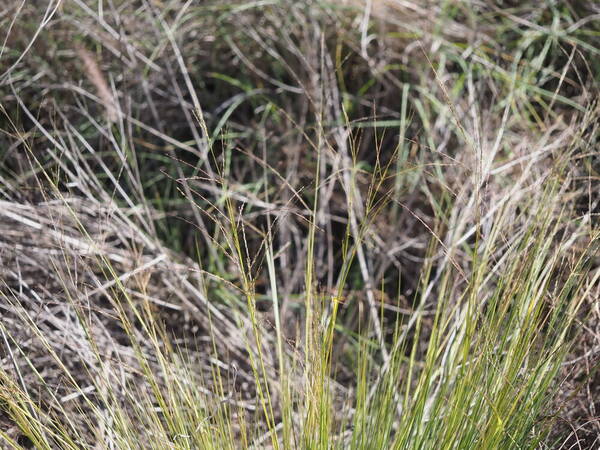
(299, 225)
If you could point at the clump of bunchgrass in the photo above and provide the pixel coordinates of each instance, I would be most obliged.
(297, 228)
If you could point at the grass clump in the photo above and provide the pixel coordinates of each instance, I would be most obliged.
(298, 225)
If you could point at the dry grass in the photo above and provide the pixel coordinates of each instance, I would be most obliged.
(283, 224)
